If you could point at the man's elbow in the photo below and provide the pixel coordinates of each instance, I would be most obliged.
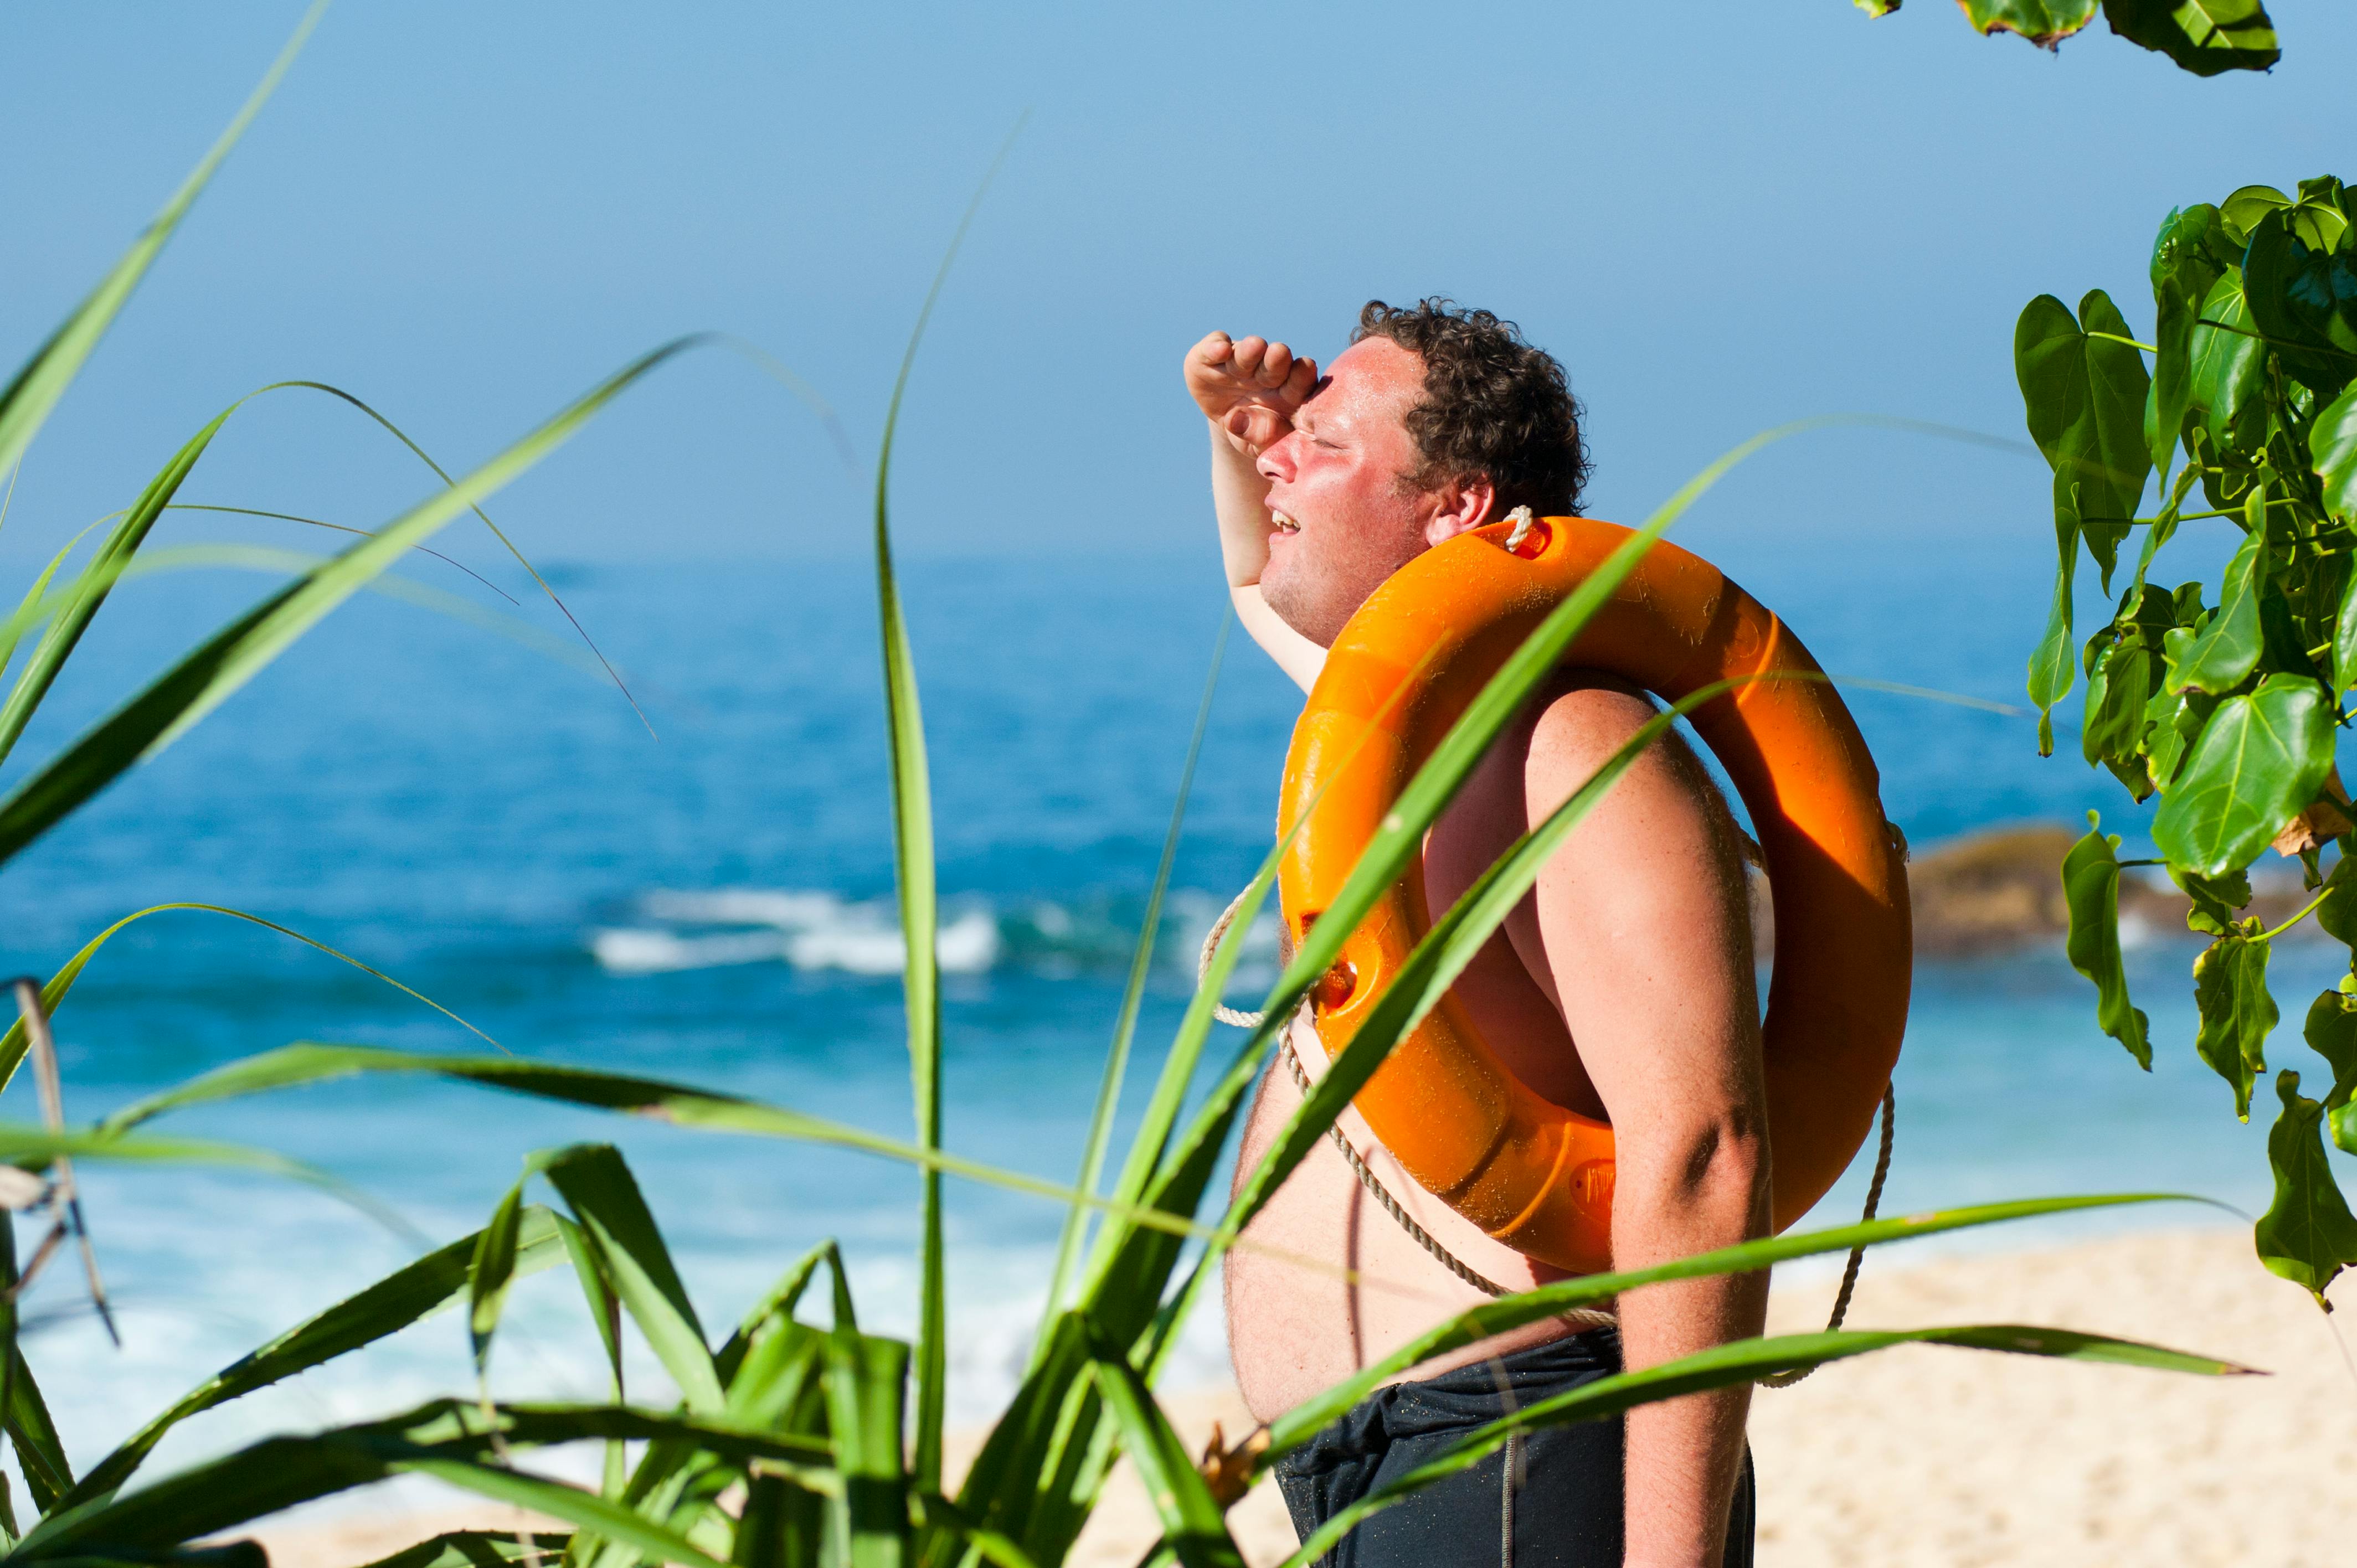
(1714, 1171)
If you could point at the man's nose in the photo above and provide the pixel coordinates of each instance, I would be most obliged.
(1275, 460)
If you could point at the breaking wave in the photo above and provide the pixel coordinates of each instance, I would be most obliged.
(672, 929)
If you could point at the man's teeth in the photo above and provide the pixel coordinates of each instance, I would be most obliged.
(1283, 523)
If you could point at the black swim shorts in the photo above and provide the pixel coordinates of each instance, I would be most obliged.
(1552, 1498)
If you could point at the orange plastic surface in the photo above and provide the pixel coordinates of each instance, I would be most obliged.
(1528, 1171)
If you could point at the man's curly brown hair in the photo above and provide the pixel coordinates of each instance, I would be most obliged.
(1493, 405)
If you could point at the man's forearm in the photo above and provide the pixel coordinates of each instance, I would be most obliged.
(1683, 1454)
(1240, 501)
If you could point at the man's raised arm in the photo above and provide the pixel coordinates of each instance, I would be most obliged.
(1248, 391)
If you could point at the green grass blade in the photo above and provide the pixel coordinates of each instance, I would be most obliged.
(488, 1275)
(1744, 1361)
(1430, 968)
(1141, 963)
(28, 608)
(24, 1415)
(1179, 1185)
(26, 403)
(309, 1062)
(485, 518)
(776, 1305)
(1436, 962)
(114, 559)
(1192, 1521)
(476, 1549)
(34, 1147)
(433, 1284)
(297, 562)
(53, 995)
(338, 528)
(451, 1439)
(913, 845)
(1299, 1424)
(207, 677)
(607, 1203)
(95, 581)
(942, 1515)
(597, 1284)
(867, 1388)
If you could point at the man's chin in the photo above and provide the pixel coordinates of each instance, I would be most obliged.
(1296, 610)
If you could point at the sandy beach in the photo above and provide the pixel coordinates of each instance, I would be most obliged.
(1919, 1457)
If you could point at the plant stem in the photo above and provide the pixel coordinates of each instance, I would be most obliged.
(2296, 919)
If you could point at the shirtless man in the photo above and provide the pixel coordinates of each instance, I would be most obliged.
(1622, 988)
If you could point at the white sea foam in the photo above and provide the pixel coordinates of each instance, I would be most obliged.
(814, 929)
(810, 930)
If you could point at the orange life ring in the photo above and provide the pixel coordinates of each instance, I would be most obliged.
(1529, 1172)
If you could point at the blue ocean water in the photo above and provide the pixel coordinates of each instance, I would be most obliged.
(483, 820)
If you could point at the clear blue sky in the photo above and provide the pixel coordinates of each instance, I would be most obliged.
(1720, 215)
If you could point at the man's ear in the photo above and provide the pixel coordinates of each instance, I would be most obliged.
(1463, 504)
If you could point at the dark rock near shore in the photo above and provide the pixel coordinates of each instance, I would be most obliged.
(2001, 890)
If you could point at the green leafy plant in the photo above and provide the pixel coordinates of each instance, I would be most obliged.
(788, 1444)
(2222, 700)
(2204, 37)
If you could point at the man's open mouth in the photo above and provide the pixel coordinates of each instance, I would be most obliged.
(1283, 523)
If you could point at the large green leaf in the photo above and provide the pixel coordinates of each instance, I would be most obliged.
(2084, 389)
(2260, 760)
(37, 386)
(2205, 37)
(2228, 359)
(2307, 1235)
(2083, 397)
(2184, 265)
(2331, 1033)
(2126, 666)
(2333, 448)
(2050, 667)
(1724, 1366)
(2043, 22)
(2090, 887)
(431, 1284)
(2230, 989)
(205, 677)
(2226, 648)
(2304, 298)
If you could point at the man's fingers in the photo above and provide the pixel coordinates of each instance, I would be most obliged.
(1304, 377)
(1245, 358)
(1276, 365)
(1257, 424)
